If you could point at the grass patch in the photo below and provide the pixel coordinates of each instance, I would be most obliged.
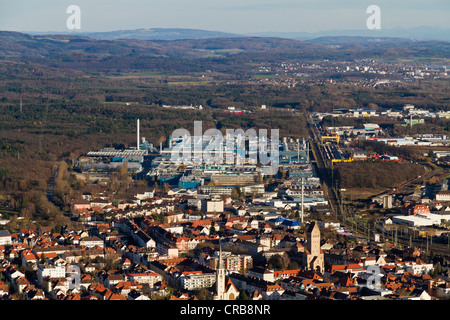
(354, 194)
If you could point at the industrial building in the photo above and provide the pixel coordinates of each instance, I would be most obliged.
(421, 220)
(107, 160)
(234, 179)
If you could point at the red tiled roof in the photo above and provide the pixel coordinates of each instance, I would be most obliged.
(346, 267)
(114, 296)
(285, 272)
(192, 272)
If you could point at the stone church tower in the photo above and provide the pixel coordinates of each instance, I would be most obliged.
(313, 258)
(220, 277)
(225, 289)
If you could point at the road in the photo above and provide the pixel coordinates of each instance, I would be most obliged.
(146, 165)
(51, 183)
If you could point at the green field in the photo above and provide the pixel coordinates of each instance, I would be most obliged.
(144, 74)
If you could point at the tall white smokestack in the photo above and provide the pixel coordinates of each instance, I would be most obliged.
(137, 138)
(303, 204)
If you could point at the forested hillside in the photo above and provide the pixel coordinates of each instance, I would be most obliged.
(62, 96)
(376, 174)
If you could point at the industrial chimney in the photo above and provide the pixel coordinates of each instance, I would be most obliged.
(137, 138)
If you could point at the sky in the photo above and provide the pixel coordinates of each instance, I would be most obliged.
(235, 16)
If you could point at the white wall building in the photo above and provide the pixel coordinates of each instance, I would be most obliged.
(91, 242)
(194, 281)
(5, 238)
(443, 195)
(52, 271)
(212, 206)
(418, 268)
(149, 277)
(421, 220)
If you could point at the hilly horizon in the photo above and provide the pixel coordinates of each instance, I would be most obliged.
(221, 54)
(418, 34)
(154, 34)
(18, 44)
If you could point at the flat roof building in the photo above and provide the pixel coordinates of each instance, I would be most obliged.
(421, 220)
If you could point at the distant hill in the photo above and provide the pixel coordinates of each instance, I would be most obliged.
(417, 33)
(348, 40)
(230, 55)
(21, 44)
(154, 34)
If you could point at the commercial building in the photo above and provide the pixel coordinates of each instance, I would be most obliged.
(109, 159)
(217, 190)
(234, 179)
(190, 182)
(257, 188)
(421, 220)
(116, 154)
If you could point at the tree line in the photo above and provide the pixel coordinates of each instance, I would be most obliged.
(376, 174)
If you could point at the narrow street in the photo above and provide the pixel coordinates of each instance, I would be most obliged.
(51, 183)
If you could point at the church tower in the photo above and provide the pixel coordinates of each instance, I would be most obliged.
(220, 276)
(313, 257)
(313, 239)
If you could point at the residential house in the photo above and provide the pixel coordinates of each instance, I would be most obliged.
(125, 287)
(35, 294)
(29, 259)
(109, 295)
(143, 239)
(148, 277)
(98, 202)
(136, 295)
(112, 279)
(21, 283)
(91, 242)
(350, 268)
(443, 195)
(261, 273)
(284, 274)
(81, 204)
(5, 238)
(4, 290)
(272, 291)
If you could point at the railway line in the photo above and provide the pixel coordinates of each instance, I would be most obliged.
(346, 218)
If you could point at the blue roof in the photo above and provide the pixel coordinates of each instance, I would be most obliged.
(4, 233)
(285, 221)
(290, 223)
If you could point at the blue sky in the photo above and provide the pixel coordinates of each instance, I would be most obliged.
(237, 16)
